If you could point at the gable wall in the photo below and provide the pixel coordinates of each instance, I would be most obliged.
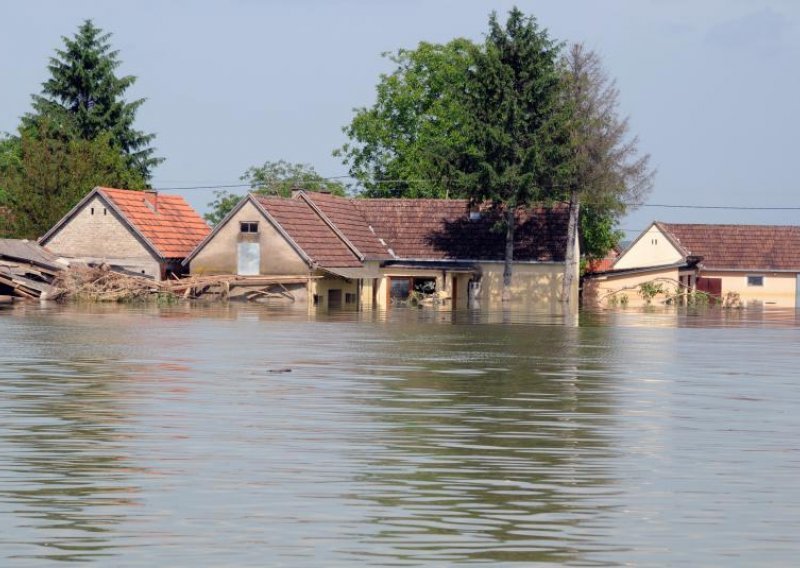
(103, 237)
(219, 255)
(652, 249)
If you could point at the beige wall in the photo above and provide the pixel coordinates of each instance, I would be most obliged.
(103, 237)
(778, 289)
(652, 249)
(605, 291)
(219, 255)
(533, 285)
(322, 286)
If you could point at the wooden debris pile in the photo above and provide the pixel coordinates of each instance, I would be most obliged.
(27, 270)
(101, 284)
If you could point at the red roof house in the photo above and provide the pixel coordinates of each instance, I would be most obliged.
(141, 231)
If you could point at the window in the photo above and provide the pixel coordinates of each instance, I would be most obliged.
(105, 211)
(753, 280)
(248, 227)
(91, 211)
(349, 298)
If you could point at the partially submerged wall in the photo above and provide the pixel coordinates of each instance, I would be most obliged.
(220, 253)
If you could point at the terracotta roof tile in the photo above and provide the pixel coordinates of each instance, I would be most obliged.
(167, 221)
(441, 229)
(310, 232)
(755, 247)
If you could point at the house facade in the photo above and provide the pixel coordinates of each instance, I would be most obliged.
(139, 231)
(748, 265)
(375, 253)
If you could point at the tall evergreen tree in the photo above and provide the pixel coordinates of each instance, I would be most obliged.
(84, 98)
(517, 126)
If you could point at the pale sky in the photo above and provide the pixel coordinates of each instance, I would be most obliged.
(712, 87)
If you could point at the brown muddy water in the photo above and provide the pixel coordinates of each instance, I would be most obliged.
(240, 436)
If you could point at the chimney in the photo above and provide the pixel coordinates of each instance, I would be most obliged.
(151, 199)
(296, 189)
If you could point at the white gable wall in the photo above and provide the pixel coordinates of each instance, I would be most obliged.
(653, 248)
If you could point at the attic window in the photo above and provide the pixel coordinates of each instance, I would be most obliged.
(653, 241)
(753, 280)
(91, 211)
(248, 227)
(105, 211)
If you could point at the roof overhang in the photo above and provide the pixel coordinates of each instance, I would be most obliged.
(353, 273)
(640, 270)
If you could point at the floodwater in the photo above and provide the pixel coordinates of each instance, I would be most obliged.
(243, 436)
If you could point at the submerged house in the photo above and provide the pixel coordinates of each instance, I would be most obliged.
(754, 264)
(139, 231)
(378, 252)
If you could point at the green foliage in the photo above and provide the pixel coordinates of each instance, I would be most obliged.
(47, 175)
(83, 98)
(649, 290)
(402, 146)
(598, 232)
(515, 123)
(273, 178)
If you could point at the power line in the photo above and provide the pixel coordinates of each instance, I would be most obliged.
(401, 181)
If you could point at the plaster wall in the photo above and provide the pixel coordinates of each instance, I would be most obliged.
(653, 248)
(610, 290)
(779, 288)
(219, 255)
(97, 234)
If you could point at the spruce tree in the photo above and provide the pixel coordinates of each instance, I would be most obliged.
(517, 127)
(84, 98)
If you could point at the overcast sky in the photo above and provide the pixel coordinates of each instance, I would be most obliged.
(712, 87)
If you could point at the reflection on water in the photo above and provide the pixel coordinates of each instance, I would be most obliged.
(237, 435)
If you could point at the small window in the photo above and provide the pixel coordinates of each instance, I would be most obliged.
(248, 227)
(315, 299)
(91, 210)
(755, 280)
(349, 298)
(105, 211)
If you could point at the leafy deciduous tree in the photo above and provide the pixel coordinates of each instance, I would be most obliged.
(607, 173)
(47, 176)
(403, 144)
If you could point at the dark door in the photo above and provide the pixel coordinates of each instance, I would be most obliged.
(334, 298)
(711, 286)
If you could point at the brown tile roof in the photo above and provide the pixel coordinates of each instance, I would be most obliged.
(309, 231)
(754, 247)
(167, 221)
(350, 220)
(440, 229)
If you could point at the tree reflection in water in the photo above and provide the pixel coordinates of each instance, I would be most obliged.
(493, 445)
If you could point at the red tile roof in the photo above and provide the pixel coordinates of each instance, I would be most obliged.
(742, 247)
(350, 220)
(310, 232)
(438, 229)
(441, 229)
(167, 221)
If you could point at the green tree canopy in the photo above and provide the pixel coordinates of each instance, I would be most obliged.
(272, 178)
(47, 175)
(402, 145)
(516, 124)
(84, 99)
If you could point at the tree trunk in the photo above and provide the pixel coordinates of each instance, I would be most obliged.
(509, 258)
(570, 258)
